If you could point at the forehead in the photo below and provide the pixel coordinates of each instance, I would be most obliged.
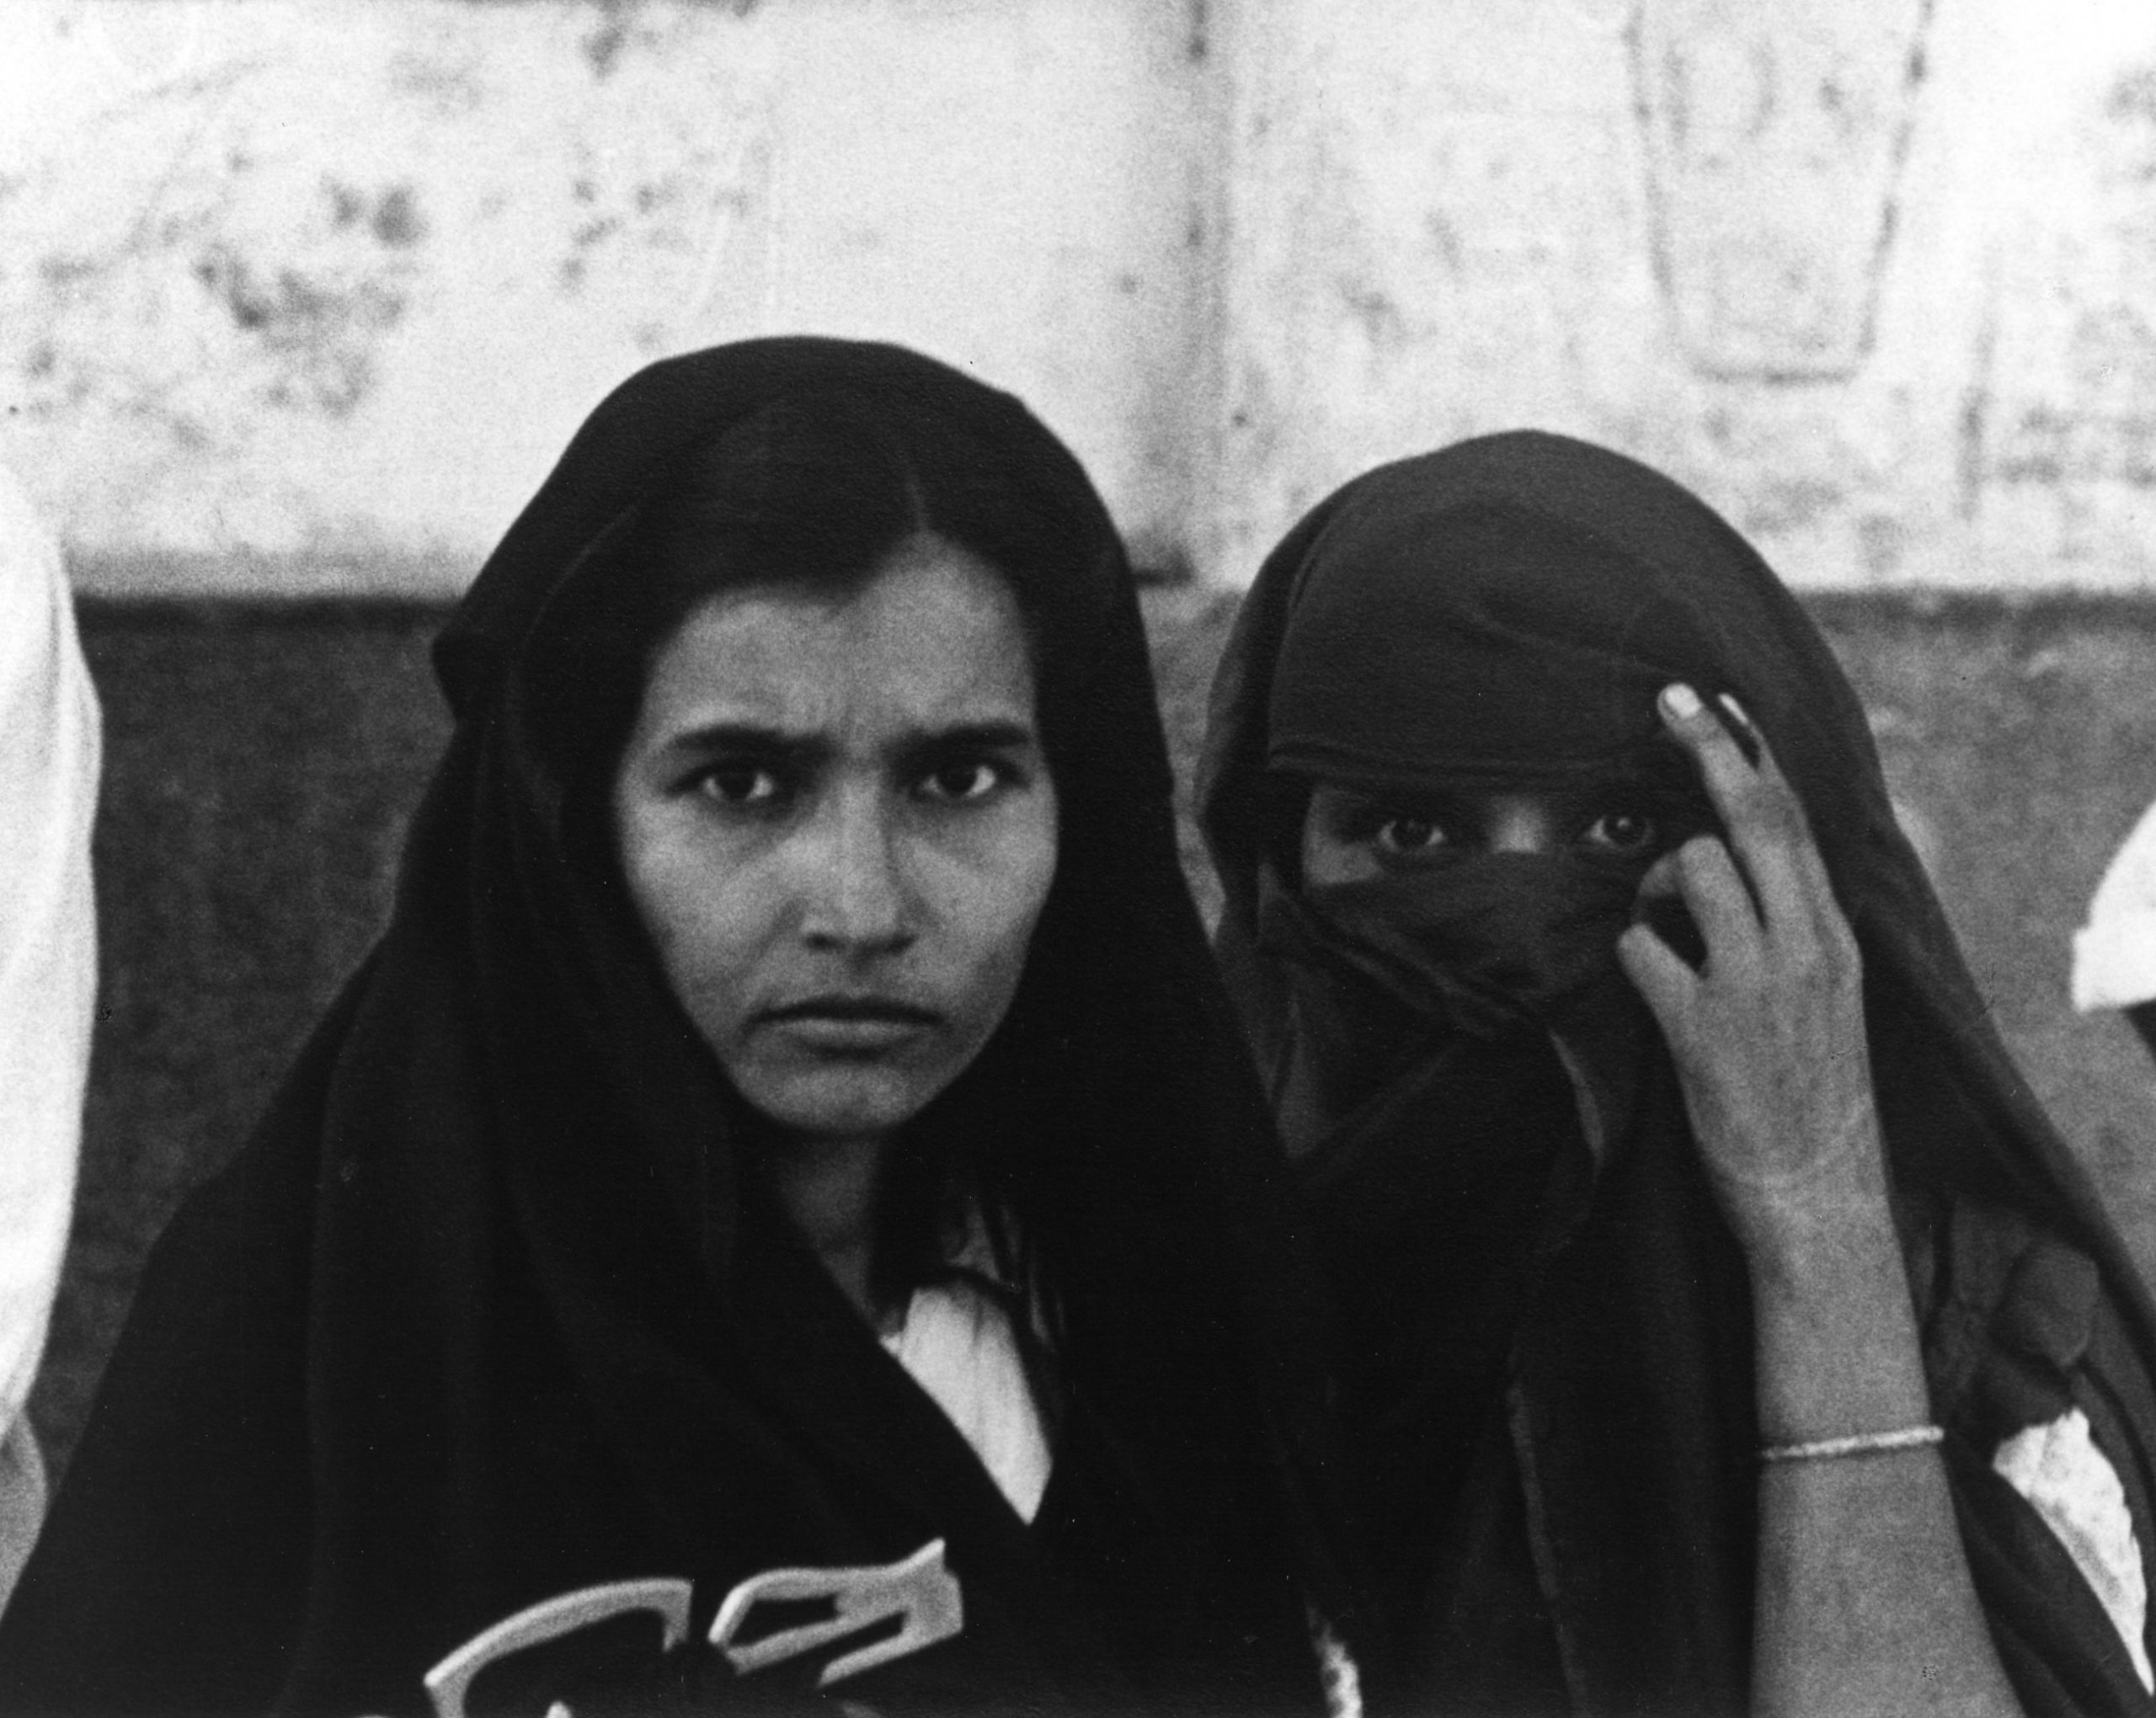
(933, 637)
(1658, 772)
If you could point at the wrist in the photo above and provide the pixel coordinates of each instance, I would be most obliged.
(1824, 1195)
(1821, 1245)
(1835, 1335)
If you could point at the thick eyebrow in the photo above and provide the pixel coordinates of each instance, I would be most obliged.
(755, 739)
(973, 736)
(761, 740)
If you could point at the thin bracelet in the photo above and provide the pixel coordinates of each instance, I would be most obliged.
(1862, 1443)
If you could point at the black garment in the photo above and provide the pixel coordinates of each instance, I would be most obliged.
(487, 1311)
(1539, 1320)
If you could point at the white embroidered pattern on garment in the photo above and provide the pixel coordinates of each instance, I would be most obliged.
(2068, 1481)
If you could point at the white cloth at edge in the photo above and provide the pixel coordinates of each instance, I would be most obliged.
(1337, 1672)
(23, 1498)
(2115, 953)
(49, 754)
(958, 1343)
(2070, 1483)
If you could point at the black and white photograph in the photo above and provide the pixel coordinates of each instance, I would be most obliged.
(1209, 858)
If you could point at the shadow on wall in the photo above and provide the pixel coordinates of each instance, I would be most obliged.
(261, 763)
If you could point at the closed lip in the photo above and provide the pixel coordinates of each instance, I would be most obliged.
(853, 1009)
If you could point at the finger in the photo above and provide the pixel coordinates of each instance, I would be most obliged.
(1765, 823)
(1660, 878)
(1761, 756)
(1715, 893)
(1660, 906)
(1666, 984)
(1731, 714)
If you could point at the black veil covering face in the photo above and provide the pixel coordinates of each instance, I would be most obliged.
(1540, 1322)
(489, 1311)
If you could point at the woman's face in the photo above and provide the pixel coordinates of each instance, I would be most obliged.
(837, 824)
(1351, 835)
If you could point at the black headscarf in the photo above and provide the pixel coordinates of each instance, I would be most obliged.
(489, 1311)
(1540, 1322)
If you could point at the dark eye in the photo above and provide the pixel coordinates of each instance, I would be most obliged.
(739, 784)
(1625, 832)
(1410, 835)
(962, 781)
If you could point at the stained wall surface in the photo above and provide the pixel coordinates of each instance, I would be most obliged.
(1876, 276)
(300, 295)
(297, 297)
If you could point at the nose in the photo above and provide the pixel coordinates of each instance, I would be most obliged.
(856, 896)
(1519, 824)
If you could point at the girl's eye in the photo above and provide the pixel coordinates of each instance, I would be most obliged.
(1620, 832)
(958, 783)
(1410, 835)
(739, 784)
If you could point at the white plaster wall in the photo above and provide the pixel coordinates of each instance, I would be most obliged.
(313, 293)
(307, 294)
(1878, 277)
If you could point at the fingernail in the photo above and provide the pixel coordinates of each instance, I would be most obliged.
(1740, 728)
(1680, 702)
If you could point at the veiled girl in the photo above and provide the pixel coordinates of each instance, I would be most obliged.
(1720, 1326)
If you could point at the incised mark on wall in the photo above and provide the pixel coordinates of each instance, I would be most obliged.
(2046, 445)
(1775, 138)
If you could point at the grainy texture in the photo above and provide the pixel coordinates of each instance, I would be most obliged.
(261, 763)
(2026, 738)
(344, 279)
(1876, 277)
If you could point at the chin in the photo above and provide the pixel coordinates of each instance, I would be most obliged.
(835, 1103)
